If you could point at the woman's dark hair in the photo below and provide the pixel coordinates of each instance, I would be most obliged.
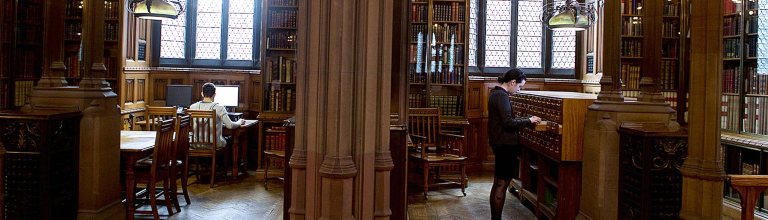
(208, 90)
(513, 74)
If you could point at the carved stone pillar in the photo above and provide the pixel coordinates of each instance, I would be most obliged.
(610, 83)
(341, 160)
(93, 45)
(53, 58)
(703, 171)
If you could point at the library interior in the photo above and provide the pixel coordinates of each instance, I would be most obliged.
(383, 109)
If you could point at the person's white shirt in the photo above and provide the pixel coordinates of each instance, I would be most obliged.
(223, 119)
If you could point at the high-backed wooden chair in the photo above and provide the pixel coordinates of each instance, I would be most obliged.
(433, 149)
(180, 168)
(157, 167)
(205, 139)
(274, 150)
(156, 114)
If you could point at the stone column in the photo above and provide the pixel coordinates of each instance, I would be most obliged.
(341, 163)
(53, 58)
(703, 171)
(610, 83)
(93, 45)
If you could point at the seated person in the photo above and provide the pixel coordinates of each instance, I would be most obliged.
(209, 91)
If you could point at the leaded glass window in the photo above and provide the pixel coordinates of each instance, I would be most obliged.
(529, 33)
(498, 28)
(563, 47)
(473, 33)
(212, 33)
(172, 37)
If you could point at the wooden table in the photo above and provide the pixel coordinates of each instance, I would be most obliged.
(134, 145)
(240, 146)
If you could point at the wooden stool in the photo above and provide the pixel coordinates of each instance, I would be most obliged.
(749, 188)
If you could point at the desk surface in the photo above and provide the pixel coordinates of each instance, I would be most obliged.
(137, 141)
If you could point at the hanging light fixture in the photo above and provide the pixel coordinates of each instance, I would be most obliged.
(569, 16)
(155, 9)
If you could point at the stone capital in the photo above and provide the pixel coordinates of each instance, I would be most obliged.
(384, 161)
(338, 167)
(298, 159)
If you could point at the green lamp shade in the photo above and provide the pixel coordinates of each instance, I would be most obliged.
(568, 21)
(155, 10)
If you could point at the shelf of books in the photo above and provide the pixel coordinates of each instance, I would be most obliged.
(278, 71)
(437, 69)
(631, 46)
(671, 73)
(732, 66)
(112, 45)
(22, 49)
(73, 32)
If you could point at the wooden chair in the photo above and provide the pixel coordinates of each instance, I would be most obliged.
(157, 167)
(154, 115)
(749, 188)
(433, 148)
(180, 168)
(205, 139)
(274, 150)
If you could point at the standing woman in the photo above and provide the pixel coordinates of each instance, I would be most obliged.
(503, 135)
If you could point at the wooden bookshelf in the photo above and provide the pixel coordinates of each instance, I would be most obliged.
(73, 32)
(21, 50)
(437, 69)
(631, 46)
(278, 70)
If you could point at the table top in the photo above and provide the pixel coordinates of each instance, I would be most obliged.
(137, 141)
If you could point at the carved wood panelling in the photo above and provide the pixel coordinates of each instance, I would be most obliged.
(177, 81)
(130, 89)
(141, 88)
(159, 89)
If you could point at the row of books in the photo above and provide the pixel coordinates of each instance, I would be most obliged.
(418, 99)
(669, 75)
(449, 12)
(3, 98)
(73, 30)
(74, 8)
(632, 7)
(419, 13)
(112, 9)
(670, 98)
(416, 54)
(731, 48)
(447, 75)
(446, 54)
(112, 68)
(29, 13)
(632, 48)
(6, 36)
(630, 93)
(731, 26)
(73, 66)
(419, 33)
(729, 7)
(670, 29)
(630, 76)
(750, 26)
(731, 79)
(281, 100)
(750, 169)
(275, 141)
(756, 115)
(29, 34)
(729, 112)
(670, 49)
(283, 2)
(632, 26)
(282, 19)
(671, 9)
(448, 105)
(22, 90)
(282, 40)
(281, 70)
(757, 83)
(7, 10)
(751, 47)
(28, 64)
(446, 33)
(111, 31)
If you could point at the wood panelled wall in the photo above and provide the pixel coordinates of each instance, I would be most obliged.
(478, 150)
(146, 87)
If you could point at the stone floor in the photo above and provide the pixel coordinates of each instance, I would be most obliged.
(247, 199)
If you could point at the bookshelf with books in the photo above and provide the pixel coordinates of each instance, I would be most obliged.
(278, 69)
(744, 92)
(437, 62)
(632, 41)
(73, 44)
(21, 50)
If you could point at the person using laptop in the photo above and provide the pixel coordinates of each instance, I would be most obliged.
(209, 92)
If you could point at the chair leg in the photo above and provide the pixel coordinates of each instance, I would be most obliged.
(213, 168)
(174, 187)
(153, 198)
(463, 179)
(168, 196)
(266, 171)
(184, 177)
(426, 179)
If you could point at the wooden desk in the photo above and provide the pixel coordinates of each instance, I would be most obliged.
(240, 146)
(134, 145)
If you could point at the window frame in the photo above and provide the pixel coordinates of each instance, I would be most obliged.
(190, 38)
(545, 72)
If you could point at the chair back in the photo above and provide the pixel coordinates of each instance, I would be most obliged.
(182, 137)
(204, 132)
(155, 115)
(163, 152)
(424, 122)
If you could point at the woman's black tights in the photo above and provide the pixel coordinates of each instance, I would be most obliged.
(498, 195)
